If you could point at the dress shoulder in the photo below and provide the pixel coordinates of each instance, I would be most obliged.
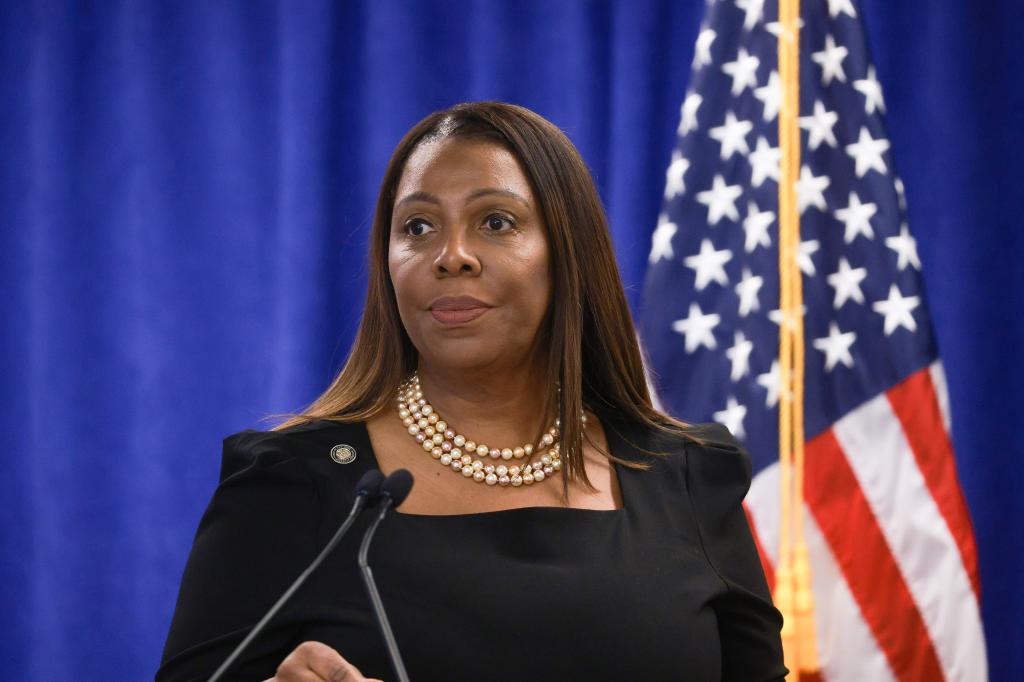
(252, 448)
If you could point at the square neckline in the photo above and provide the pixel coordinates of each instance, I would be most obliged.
(538, 510)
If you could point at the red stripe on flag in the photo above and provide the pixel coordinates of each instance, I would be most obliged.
(871, 572)
(766, 563)
(916, 405)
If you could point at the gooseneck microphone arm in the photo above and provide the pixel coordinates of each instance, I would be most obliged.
(367, 492)
(393, 492)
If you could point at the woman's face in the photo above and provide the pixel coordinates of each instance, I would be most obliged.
(468, 255)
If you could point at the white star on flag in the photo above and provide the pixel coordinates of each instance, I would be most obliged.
(743, 71)
(846, 281)
(803, 256)
(688, 113)
(721, 200)
(770, 96)
(777, 316)
(872, 91)
(756, 226)
(709, 264)
(753, 9)
(771, 381)
(764, 162)
(819, 126)
(856, 217)
(732, 135)
(697, 328)
(897, 310)
(810, 190)
(905, 247)
(661, 240)
(747, 290)
(739, 356)
(867, 153)
(732, 417)
(837, 7)
(674, 183)
(702, 53)
(836, 346)
(831, 61)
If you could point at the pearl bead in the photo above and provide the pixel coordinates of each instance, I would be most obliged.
(501, 470)
(420, 438)
(518, 453)
(495, 453)
(423, 423)
(528, 479)
(427, 409)
(479, 476)
(538, 475)
(548, 471)
(446, 446)
(503, 480)
(506, 453)
(432, 418)
(556, 465)
(413, 429)
(436, 453)
(403, 412)
(467, 471)
(456, 452)
(514, 471)
(459, 440)
(548, 439)
(558, 422)
(457, 465)
(429, 431)
(441, 425)
(446, 459)
(537, 466)
(438, 438)
(528, 450)
(428, 445)
(470, 445)
(489, 468)
(490, 479)
(409, 421)
(466, 459)
(449, 434)
(478, 465)
(417, 395)
(546, 459)
(517, 481)
(482, 450)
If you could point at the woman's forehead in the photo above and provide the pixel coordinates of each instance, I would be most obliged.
(461, 166)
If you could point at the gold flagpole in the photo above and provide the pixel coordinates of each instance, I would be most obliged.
(793, 593)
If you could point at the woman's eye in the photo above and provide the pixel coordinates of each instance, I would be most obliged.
(497, 222)
(417, 227)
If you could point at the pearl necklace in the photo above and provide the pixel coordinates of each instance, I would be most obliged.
(455, 451)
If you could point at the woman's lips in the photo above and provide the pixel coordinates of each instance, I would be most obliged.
(457, 316)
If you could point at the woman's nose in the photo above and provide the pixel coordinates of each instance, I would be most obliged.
(456, 256)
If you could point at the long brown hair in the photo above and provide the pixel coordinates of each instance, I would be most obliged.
(592, 346)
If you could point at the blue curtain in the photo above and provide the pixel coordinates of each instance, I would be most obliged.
(185, 195)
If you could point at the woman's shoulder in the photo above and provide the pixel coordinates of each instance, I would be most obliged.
(307, 443)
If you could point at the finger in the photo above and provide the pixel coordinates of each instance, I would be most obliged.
(315, 660)
(329, 664)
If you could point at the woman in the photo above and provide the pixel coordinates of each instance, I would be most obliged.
(560, 528)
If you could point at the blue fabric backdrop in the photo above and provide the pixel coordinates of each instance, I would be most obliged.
(185, 195)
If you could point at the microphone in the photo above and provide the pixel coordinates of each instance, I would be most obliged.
(367, 494)
(392, 493)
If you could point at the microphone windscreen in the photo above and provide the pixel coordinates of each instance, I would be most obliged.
(369, 485)
(397, 486)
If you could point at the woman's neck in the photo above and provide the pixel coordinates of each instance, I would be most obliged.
(499, 408)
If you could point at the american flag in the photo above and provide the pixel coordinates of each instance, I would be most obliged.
(893, 558)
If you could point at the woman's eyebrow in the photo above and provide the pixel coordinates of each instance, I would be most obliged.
(476, 194)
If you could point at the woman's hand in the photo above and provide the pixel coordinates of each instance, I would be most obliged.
(313, 661)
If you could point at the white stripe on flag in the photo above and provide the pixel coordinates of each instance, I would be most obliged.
(847, 649)
(881, 459)
(938, 373)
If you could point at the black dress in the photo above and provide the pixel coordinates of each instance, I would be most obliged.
(667, 588)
